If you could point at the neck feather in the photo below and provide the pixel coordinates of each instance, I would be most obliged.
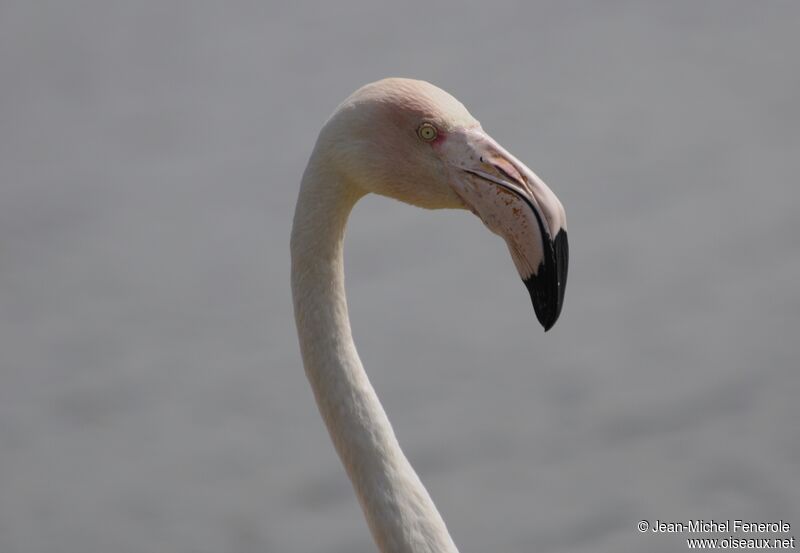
(398, 509)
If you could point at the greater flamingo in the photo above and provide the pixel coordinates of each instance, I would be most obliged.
(411, 141)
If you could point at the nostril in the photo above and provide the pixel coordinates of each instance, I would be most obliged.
(516, 177)
(509, 171)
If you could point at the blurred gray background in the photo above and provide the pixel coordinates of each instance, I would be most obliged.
(151, 393)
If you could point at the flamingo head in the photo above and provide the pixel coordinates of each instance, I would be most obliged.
(414, 142)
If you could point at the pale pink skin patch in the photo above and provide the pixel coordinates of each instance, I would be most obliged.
(504, 212)
(508, 216)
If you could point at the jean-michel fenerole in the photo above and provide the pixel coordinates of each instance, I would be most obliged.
(701, 526)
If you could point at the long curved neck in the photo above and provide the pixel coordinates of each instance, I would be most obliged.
(398, 509)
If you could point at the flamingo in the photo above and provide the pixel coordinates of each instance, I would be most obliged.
(411, 141)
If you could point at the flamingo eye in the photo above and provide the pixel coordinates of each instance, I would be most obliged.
(427, 132)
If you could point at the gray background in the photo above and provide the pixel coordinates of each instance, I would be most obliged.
(151, 392)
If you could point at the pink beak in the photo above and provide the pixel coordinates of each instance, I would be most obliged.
(518, 206)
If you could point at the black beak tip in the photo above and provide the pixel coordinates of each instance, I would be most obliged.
(548, 285)
(545, 303)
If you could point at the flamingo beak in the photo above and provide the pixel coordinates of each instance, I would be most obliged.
(517, 205)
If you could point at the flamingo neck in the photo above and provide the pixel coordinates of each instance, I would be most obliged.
(398, 509)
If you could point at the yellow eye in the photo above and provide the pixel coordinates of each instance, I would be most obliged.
(427, 132)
